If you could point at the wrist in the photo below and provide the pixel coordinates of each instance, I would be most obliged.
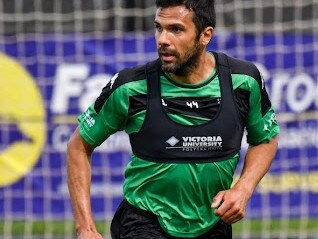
(89, 228)
(247, 188)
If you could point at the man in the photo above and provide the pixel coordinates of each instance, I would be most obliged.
(185, 114)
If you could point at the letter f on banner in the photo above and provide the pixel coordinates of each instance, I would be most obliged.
(68, 83)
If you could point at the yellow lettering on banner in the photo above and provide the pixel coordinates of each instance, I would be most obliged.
(288, 182)
(313, 180)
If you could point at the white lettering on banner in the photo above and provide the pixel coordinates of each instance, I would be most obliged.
(115, 143)
(298, 91)
(72, 81)
(108, 190)
(68, 83)
(299, 137)
(92, 88)
(276, 91)
(60, 137)
(301, 92)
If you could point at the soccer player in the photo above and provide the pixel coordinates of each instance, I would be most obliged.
(185, 114)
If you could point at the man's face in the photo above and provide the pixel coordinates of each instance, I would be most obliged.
(177, 42)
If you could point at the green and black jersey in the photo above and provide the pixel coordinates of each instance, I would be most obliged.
(180, 194)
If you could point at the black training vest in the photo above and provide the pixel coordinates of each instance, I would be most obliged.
(163, 140)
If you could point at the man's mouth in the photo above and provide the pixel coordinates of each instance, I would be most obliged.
(167, 56)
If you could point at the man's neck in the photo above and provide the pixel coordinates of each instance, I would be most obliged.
(200, 73)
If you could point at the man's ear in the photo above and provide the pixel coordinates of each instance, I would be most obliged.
(206, 35)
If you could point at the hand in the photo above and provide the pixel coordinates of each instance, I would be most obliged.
(230, 205)
(88, 235)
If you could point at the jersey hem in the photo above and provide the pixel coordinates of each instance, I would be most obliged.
(86, 137)
(175, 233)
(187, 234)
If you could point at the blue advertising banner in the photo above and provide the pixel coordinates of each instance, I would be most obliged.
(47, 81)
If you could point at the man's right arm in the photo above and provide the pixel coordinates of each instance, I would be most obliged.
(79, 181)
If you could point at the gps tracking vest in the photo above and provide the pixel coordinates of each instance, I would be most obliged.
(163, 140)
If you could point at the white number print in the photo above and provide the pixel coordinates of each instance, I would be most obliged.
(193, 104)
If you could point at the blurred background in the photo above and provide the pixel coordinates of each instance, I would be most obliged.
(55, 57)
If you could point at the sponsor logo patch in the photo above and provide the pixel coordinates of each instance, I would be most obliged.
(195, 143)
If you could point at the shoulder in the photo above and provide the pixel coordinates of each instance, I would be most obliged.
(239, 66)
(246, 68)
(243, 67)
(128, 75)
(116, 86)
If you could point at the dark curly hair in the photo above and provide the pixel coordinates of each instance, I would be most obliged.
(204, 11)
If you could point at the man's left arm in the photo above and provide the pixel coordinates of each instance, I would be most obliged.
(230, 205)
(262, 136)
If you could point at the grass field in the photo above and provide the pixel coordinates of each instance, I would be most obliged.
(254, 227)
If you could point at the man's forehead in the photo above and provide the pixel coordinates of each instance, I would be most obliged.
(180, 13)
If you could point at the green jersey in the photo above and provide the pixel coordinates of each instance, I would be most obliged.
(180, 194)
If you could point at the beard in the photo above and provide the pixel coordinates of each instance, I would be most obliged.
(184, 65)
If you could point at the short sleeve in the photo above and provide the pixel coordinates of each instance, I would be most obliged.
(262, 124)
(106, 116)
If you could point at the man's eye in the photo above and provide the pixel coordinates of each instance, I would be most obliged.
(176, 29)
(158, 28)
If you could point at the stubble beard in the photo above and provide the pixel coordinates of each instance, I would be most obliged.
(183, 67)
